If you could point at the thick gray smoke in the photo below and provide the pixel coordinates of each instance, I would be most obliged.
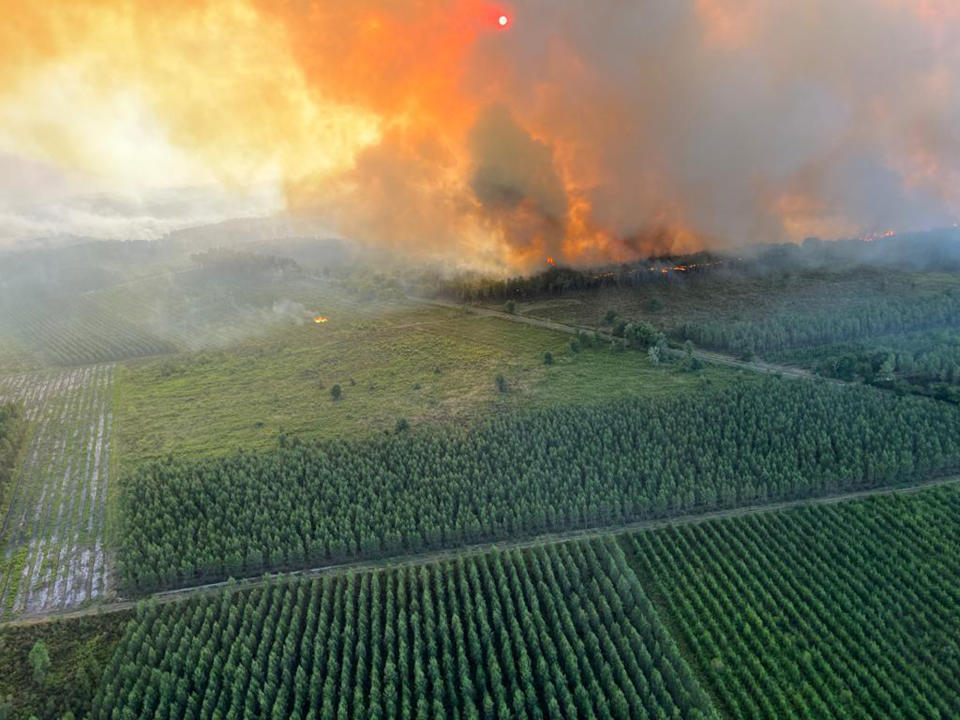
(515, 181)
(591, 130)
(761, 120)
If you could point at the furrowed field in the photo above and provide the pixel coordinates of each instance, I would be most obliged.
(12, 427)
(515, 475)
(562, 631)
(850, 611)
(53, 554)
(77, 332)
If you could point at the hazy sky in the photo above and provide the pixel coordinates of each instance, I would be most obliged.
(584, 129)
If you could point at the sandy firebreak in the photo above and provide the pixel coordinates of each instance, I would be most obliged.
(51, 541)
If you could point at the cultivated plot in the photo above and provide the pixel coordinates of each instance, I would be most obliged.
(51, 540)
(563, 631)
(78, 332)
(847, 611)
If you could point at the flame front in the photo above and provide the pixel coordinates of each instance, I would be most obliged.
(320, 319)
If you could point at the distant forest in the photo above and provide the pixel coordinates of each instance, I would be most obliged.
(927, 251)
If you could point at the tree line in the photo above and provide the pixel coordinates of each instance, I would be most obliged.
(301, 505)
(561, 280)
(926, 362)
(820, 612)
(563, 631)
(880, 314)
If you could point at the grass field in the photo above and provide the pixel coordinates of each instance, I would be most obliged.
(394, 361)
(194, 311)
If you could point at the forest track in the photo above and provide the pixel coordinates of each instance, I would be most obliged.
(170, 596)
(571, 329)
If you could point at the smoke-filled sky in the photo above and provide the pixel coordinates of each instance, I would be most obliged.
(584, 130)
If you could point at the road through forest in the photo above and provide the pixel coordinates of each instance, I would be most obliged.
(168, 596)
(705, 355)
(43, 613)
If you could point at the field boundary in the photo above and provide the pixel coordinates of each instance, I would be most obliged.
(704, 355)
(180, 594)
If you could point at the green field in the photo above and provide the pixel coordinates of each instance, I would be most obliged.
(309, 504)
(845, 611)
(204, 391)
(391, 361)
(850, 611)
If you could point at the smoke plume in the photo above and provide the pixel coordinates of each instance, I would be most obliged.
(585, 130)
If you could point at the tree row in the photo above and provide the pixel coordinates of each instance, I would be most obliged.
(515, 475)
(558, 632)
(825, 612)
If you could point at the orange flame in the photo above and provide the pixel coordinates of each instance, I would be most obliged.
(870, 237)
(320, 319)
(550, 261)
(360, 113)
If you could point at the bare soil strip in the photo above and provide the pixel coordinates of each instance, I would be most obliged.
(51, 539)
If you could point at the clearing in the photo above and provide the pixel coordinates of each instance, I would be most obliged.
(424, 364)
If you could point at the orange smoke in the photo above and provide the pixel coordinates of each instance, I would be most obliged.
(361, 111)
(572, 132)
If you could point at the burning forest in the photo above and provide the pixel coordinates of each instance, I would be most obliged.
(480, 358)
(486, 134)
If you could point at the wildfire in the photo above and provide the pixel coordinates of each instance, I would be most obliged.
(423, 125)
(878, 235)
(320, 319)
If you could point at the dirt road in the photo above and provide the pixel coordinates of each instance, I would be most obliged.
(704, 355)
(169, 596)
